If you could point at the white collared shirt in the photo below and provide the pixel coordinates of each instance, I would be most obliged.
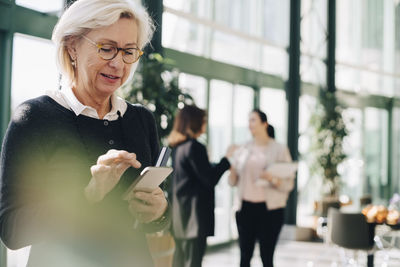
(66, 98)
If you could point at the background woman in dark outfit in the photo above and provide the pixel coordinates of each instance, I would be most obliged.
(193, 183)
(65, 153)
(260, 217)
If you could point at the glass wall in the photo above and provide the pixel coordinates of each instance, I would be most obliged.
(367, 46)
(34, 70)
(184, 35)
(376, 153)
(251, 34)
(312, 70)
(243, 99)
(33, 73)
(367, 51)
(396, 150)
(220, 136)
(220, 117)
(313, 41)
(195, 86)
(46, 6)
(306, 183)
(229, 109)
(352, 170)
(273, 103)
(242, 106)
(367, 55)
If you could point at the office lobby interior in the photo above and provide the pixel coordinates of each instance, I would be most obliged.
(326, 73)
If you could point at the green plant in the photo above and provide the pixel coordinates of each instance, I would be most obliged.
(328, 132)
(156, 87)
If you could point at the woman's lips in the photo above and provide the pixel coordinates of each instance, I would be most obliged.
(110, 78)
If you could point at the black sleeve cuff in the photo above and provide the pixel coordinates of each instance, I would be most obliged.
(158, 225)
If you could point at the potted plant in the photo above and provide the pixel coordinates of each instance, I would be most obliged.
(326, 150)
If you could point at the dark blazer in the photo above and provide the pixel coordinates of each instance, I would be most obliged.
(193, 185)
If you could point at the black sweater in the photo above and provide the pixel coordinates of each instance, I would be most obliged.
(45, 166)
(193, 183)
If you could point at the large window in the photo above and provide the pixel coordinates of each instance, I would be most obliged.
(352, 169)
(273, 103)
(251, 34)
(396, 150)
(376, 152)
(34, 69)
(242, 106)
(33, 73)
(313, 41)
(366, 46)
(234, 50)
(200, 8)
(220, 136)
(306, 183)
(184, 35)
(229, 110)
(47, 6)
(367, 56)
(195, 86)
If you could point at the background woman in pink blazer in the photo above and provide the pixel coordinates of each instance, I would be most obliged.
(262, 195)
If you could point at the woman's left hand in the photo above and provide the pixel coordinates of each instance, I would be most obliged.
(148, 206)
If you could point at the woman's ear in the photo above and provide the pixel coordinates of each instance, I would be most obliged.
(71, 47)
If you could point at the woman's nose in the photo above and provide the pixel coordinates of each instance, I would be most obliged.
(118, 61)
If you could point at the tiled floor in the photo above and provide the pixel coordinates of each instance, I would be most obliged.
(296, 254)
(293, 254)
(289, 253)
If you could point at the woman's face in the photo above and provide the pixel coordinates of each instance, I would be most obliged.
(204, 127)
(98, 76)
(256, 126)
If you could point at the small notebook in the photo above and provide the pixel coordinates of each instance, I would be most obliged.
(283, 170)
(280, 170)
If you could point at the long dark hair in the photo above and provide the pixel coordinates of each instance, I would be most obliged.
(263, 117)
(188, 122)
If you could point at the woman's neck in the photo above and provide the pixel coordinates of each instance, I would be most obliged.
(261, 140)
(101, 104)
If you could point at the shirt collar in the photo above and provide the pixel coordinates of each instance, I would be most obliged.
(117, 104)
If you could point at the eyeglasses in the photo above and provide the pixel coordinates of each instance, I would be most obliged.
(109, 52)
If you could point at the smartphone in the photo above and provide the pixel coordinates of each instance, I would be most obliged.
(151, 177)
(163, 156)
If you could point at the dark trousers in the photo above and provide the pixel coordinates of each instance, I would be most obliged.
(189, 252)
(256, 223)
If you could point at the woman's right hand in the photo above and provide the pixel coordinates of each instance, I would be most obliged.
(107, 173)
(231, 150)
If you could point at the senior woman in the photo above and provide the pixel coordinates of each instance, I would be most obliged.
(66, 156)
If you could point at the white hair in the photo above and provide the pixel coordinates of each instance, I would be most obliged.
(85, 15)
